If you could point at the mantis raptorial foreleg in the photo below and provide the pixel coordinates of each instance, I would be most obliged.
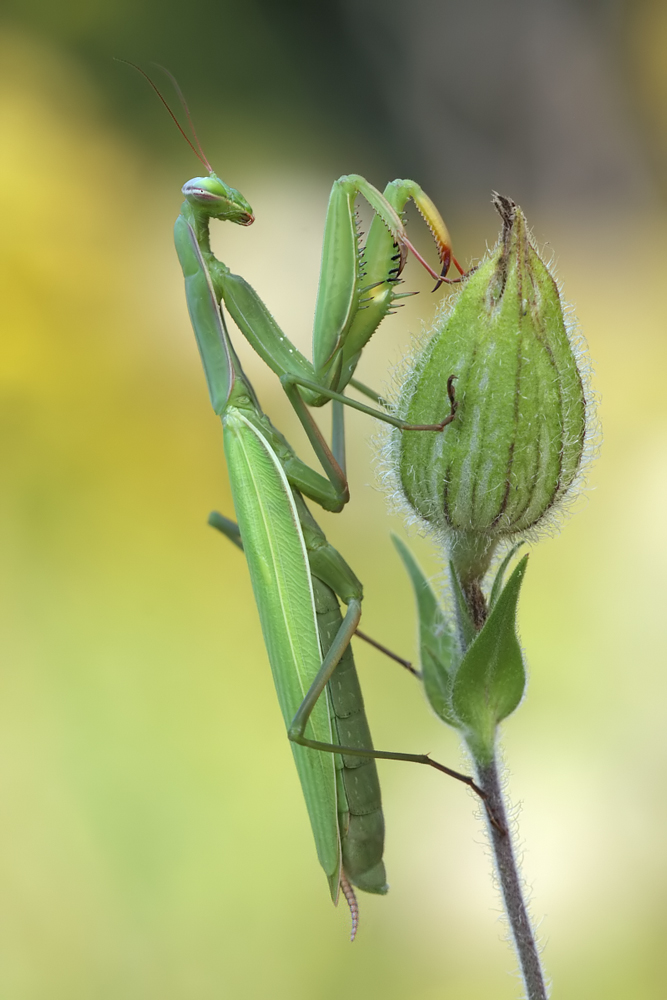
(356, 291)
(357, 286)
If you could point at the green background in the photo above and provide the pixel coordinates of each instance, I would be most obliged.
(153, 841)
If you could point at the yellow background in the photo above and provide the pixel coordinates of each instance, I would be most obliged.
(153, 841)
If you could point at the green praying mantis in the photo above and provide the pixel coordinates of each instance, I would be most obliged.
(298, 578)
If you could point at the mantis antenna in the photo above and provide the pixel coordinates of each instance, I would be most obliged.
(184, 105)
(198, 151)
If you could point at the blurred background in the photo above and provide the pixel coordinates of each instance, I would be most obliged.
(153, 841)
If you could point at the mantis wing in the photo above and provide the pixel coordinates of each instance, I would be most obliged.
(280, 576)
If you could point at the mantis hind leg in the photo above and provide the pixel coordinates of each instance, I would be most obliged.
(336, 651)
(297, 728)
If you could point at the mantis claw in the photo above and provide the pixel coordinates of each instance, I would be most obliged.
(453, 407)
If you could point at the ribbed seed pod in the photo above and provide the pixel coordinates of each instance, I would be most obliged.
(515, 444)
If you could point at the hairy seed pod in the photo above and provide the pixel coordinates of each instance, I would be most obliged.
(515, 444)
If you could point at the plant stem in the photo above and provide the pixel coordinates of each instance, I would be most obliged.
(510, 885)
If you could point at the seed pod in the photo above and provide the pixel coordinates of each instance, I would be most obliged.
(515, 445)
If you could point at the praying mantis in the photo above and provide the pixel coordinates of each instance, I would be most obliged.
(297, 576)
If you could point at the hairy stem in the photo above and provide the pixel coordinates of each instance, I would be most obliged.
(510, 885)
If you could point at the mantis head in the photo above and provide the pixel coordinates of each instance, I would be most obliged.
(217, 200)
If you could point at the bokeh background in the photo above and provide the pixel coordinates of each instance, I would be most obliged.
(153, 842)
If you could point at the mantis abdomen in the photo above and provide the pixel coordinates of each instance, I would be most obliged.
(360, 818)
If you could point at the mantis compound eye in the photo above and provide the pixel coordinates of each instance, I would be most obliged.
(218, 199)
(201, 189)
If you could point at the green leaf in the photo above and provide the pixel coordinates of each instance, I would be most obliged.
(490, 681)
(439, 653)
(500, 575)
